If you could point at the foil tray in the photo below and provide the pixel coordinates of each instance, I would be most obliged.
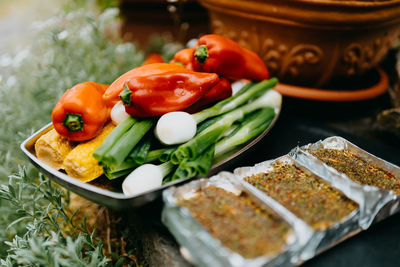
(109, 193)
(206, 250)
(321, 239)
(375, 203)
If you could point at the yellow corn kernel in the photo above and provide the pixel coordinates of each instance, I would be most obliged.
(52, 148)
(80, 163)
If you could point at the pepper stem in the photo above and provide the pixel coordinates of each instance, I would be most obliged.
(125, 95)
(201, 54)
(73, 122)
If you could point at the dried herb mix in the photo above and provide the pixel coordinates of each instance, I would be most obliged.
(239, 223)
(307, 196)
(358, 169)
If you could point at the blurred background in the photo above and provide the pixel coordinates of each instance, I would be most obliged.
(16, 18)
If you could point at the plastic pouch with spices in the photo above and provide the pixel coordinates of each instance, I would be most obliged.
(222, 224)
(311, 199)
(367, 179)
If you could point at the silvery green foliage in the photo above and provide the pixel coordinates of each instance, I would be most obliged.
(51, 251)
(41, 207)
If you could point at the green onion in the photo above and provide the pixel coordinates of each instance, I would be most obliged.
(113, 175)
(190, 168)
(126, 167)
(121, 149)
(194, 147)
(166, 168)
(112, 138)
(251, 91)
(145, 177)
(139, 153)
(254, 125)
(166, 155)
(205, 124)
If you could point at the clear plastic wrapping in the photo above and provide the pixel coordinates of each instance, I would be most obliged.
(375, 203)
(209, 251)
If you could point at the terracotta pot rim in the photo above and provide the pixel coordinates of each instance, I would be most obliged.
(316, 13)
(373, 91)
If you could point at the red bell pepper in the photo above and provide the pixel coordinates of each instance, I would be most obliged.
(165, 90)
(184, 57)
(81, 112)
(222, 90)
(218, 54)
(111, 94)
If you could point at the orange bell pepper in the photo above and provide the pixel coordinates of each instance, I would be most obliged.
(168, 89)
(81, 112)
(221, 55)
(153, 58)
(184, 57)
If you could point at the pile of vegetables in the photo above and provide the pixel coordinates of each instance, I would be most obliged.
(172, 119)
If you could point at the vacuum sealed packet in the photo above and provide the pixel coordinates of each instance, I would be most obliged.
(310, 198)
(222, 224)
(369, 180)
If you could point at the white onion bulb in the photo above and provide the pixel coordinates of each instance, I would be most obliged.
(175, 128)
(118, 113)
(142, 179)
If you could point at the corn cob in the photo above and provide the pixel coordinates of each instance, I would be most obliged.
(52, 148)
(80, 163)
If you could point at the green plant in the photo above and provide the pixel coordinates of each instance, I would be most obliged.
(52, 236)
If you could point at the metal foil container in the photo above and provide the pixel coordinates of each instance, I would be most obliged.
(205, 249)
(320, 240)
(375, 203)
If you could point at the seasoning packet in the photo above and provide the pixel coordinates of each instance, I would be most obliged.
(223, 224)
(370, 181)
(305, 195)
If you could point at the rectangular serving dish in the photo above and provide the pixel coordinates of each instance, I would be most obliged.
(207, 250)
(375, 203)
(109, 193)
(332, 235)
